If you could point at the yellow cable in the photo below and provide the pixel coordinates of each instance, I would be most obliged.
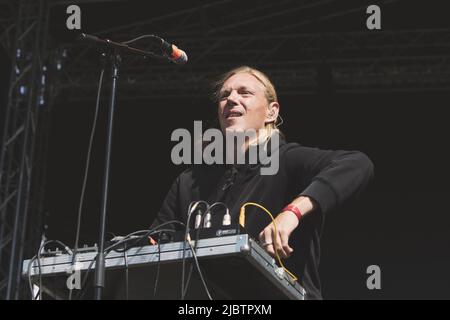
(242, 223)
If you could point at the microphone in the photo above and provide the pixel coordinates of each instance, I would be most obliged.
(173, 53)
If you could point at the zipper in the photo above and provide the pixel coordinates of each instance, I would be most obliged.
(230, 180)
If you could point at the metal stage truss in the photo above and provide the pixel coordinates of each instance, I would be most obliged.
(20, 222)
(409, 60)
(217, 38)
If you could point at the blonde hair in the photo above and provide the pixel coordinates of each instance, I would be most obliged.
(270, 92)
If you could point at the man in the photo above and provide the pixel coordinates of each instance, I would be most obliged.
(309, 183)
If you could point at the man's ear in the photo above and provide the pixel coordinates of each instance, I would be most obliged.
(272, 115)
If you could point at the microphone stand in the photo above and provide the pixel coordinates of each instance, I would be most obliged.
(115, 59)
(99, 282)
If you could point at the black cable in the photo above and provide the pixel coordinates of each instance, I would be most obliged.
(40, 273)
(86, 171)
(217, 204)
(89, 268)
(30, 284)
(125, 239)
(147, 233)
(191, 266)
(183, 262)
(200, 271)
(37, 294)
(66, 248)
(83, 283)
(197, 236)
(188, 281)
(126, 274)
(142, 37)
(155, 286)
(152, 54)
(191, 209)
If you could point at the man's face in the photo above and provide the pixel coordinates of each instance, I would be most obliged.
(242, 103)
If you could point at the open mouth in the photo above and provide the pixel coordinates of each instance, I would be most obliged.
(233, 114)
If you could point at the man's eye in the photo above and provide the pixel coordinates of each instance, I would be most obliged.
(223, 95)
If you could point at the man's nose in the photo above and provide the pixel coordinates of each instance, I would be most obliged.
(232, 97)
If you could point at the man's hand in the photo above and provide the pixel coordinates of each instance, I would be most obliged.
(286, 222)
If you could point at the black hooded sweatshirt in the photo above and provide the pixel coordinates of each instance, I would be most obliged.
(328, 177)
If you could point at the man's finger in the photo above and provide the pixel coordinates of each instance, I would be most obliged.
(261, 237)
(266, 240)
(277, 244)
(269, 249)
(285, 243)
(267, 236)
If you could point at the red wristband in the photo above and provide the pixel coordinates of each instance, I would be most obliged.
(294, 210)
